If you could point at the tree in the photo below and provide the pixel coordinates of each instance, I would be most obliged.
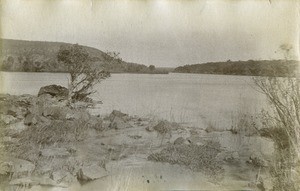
(112, 56)
(83, 73)
(8, 64)
(151, 68)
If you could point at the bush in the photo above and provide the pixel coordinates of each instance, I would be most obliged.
(282, 125)
(83, 73)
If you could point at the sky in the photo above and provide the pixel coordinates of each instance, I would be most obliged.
(165, 33)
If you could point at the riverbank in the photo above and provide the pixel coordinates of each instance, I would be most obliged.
(47, 145)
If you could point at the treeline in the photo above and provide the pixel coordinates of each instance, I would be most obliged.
(251, 68)
(37, 56)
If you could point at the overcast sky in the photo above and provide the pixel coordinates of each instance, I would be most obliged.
(160, 32)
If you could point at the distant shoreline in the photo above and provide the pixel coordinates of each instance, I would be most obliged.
(68, 72)
(275, 68)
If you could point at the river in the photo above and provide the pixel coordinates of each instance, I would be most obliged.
(195, 99)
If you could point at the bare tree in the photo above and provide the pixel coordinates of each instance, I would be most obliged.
(83, 72)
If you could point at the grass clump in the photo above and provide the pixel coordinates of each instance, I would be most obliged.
(36, 137)
(195, 157)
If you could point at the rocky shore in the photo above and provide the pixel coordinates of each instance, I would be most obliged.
(45, 143)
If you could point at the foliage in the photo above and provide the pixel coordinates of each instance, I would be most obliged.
(282, 125)
(151, 67)
(43, 58)
(250, 67)
(83, 75)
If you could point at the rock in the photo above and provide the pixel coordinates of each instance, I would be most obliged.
(149, 129)
(8, 119)
(17, 128)
(15, 165)
(30, 119)
(58, 175)
(210, 129)
(163, 127)
(63, 176)
(70, 116)
(118, 114)
(55, 152)
(54, 90)
(5, 168)
(118, 123)
(92, 172)
(179, 141)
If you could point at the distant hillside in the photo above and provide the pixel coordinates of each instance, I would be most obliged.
(250, 68)
(37, 56)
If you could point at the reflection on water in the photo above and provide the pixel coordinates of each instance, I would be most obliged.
(196, 99)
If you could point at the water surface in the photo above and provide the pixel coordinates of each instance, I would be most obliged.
(196, 99)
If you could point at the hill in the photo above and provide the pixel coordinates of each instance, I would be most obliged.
(38, 56)
(250, 68)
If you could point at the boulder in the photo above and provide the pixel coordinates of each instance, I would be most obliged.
(118, 123)
(54, 90)
(91, 172)
(179, 141)
(63, 176)
(118, 114)
(30, 119)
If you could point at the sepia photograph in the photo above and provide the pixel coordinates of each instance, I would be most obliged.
(149, 95)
